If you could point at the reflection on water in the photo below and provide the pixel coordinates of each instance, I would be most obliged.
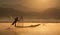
(47, 29)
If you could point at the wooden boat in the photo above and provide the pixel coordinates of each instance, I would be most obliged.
(21, 18)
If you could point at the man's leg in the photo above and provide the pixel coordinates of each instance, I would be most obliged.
(15, 24)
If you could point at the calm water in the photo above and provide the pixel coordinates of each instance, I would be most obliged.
(43, 29)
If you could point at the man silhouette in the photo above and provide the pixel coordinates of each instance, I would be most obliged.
(15, 21)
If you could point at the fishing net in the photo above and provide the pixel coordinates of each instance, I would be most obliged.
(6, 30)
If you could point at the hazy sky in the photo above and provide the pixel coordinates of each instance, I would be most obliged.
(30, 8)
(30, 5)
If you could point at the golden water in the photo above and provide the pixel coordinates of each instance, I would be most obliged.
(43, 29)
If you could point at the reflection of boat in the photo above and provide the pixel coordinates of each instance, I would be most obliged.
(21, 18)
(34, 25)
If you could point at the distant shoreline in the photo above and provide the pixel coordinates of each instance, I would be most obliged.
(32, 22)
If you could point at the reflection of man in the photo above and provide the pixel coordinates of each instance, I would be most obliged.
(15, 21)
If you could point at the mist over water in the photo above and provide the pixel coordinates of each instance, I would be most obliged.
(43, 29)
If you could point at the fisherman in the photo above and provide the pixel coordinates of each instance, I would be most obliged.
(15, 21)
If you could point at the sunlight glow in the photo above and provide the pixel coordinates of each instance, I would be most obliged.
(37, 5)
